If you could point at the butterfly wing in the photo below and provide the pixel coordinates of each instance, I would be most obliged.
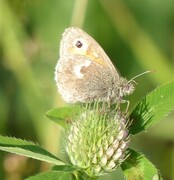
(82, 80)
(84, 72)
(90, 49)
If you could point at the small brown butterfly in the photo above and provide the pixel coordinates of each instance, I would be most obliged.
(84, 73)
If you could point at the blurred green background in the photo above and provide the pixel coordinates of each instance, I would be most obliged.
(137, 36)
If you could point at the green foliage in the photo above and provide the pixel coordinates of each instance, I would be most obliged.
(53, 175)
(152, 108)
(28, 149)
(137, 167)
(68, 168)
(62, 116)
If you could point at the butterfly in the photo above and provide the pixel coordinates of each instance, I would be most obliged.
(84, 73)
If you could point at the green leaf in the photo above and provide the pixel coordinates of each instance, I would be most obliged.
(52, 175)
(28, 149)
(152, 108)
(137, 167)
(62, 116)
(64, 168)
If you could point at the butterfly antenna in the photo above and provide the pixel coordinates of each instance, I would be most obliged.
(146, 72)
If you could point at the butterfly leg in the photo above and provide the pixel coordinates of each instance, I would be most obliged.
(127, 107)
(120, 98)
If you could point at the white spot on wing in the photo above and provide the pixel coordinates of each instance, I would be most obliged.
(78, 68)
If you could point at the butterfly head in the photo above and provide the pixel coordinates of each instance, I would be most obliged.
(127, 87)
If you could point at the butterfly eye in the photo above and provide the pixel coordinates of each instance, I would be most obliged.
(79, 44)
